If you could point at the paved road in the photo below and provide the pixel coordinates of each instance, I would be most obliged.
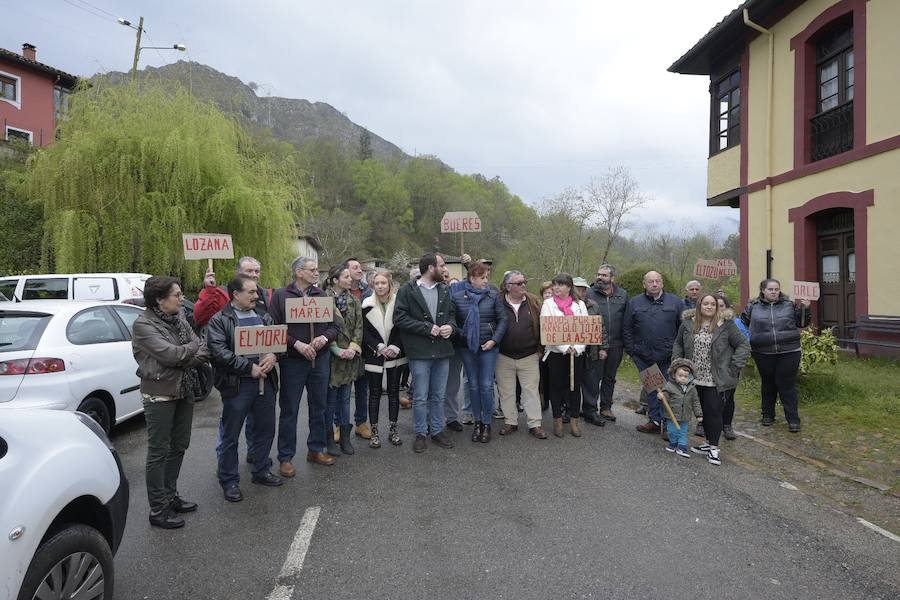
(610, 515)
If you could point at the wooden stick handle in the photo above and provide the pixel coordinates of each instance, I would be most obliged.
(571, 372)
(262, 386)
(667, 407)
(209, 264)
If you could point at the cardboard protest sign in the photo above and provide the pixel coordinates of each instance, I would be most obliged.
(652, 378)
(727, 267)
(260, 339)
(198, 246)
(460, 222)
(806, 290)
(572, 329)
(309, 309)
(706, 269)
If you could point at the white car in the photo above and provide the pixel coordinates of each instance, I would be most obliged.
(73, 286)
(69, 355)
(63, 506)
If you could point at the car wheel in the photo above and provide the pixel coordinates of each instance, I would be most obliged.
(74, 563)
(96, 409)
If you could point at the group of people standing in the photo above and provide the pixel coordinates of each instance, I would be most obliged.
(432, 326)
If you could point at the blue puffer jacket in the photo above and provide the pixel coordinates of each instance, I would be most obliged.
(493, 315)
(650, 326)
(775, 326)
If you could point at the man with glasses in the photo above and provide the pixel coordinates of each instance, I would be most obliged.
(238, 381)
(520, 352)
(307, 365)
(612, 301)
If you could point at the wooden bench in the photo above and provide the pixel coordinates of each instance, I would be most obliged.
(881, 326)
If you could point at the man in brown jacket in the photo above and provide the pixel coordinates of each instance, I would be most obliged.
(520, 352)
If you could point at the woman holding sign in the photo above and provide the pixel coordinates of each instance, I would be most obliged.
(564, 363)
(482, 321)
(383, 354)
(346, 351)
(709, 338)
(168, 353)
(774, 322)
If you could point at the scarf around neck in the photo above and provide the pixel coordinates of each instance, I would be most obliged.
(564, 305)
(472, 325)
(190, 381)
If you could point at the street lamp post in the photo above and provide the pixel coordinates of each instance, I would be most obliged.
(138, 47)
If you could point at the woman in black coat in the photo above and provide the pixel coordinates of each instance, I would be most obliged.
(383, 354)
(775, 322)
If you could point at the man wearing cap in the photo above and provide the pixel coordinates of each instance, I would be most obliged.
(590, 377)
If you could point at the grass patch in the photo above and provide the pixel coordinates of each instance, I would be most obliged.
(850, 413)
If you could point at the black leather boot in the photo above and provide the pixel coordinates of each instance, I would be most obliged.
(346, 445)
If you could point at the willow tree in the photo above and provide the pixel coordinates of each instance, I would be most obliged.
(134, 168)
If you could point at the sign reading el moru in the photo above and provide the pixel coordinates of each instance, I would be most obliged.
(198, 246)
(572, 329)
(460, 222)
(309, 309)
(261, 339)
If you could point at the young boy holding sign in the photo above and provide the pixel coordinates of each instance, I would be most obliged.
(682, 397)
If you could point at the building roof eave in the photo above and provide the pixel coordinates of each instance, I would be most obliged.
(65, 79)
(722, 39)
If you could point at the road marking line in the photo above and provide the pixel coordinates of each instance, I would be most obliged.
(878, 529)
(293, 564)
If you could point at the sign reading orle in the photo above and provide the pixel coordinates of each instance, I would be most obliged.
(805, 290)
(460, 222)
(198, 246)
(309, 309)
(260, 339)
(572, 329)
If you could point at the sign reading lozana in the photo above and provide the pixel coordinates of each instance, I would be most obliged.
(198, 246)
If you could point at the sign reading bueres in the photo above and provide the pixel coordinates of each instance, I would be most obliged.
(806, 290)
(572, 329)
(460, 222)
(309, 309)
(261, 339)
(198, 246)
(652, 378)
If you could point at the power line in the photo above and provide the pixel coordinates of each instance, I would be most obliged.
(113, 15)
(89, 11)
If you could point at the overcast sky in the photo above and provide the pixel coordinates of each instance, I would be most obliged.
(543, 94)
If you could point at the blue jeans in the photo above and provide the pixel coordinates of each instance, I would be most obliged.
(654, 408)
(480, 368)
(430, 384)
(338, 411)
(454, 382)
(234, 411)
(296, 374)
(678, 436)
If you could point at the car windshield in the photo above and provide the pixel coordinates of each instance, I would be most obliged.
(21, 330)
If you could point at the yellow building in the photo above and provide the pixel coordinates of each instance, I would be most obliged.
(805, 140)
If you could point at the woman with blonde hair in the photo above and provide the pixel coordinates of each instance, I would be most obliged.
(382, 354)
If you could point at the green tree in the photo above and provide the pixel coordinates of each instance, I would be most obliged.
(134, 168)
(20, 222)
(365, 145)
(386, 206)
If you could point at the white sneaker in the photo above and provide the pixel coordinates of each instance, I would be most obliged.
(713, 456)
(467, 419)
(701, 449)
(682, 452)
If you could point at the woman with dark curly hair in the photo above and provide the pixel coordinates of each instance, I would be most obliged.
(168, 353)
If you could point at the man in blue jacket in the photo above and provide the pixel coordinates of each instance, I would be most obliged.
(650, 325)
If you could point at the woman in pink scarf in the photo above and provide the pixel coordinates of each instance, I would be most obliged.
(563, 302)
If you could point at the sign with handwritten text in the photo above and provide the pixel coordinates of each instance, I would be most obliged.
(198, 246)
(572, 329)
(260, 339)
(309, 309)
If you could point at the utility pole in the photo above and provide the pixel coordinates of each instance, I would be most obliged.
(137, 49)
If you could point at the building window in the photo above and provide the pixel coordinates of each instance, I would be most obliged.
(18, 134)
(726, 112)
(61, 102)
(10, 89)
(832, 125)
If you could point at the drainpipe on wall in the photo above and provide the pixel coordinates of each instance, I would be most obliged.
(770, 103)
